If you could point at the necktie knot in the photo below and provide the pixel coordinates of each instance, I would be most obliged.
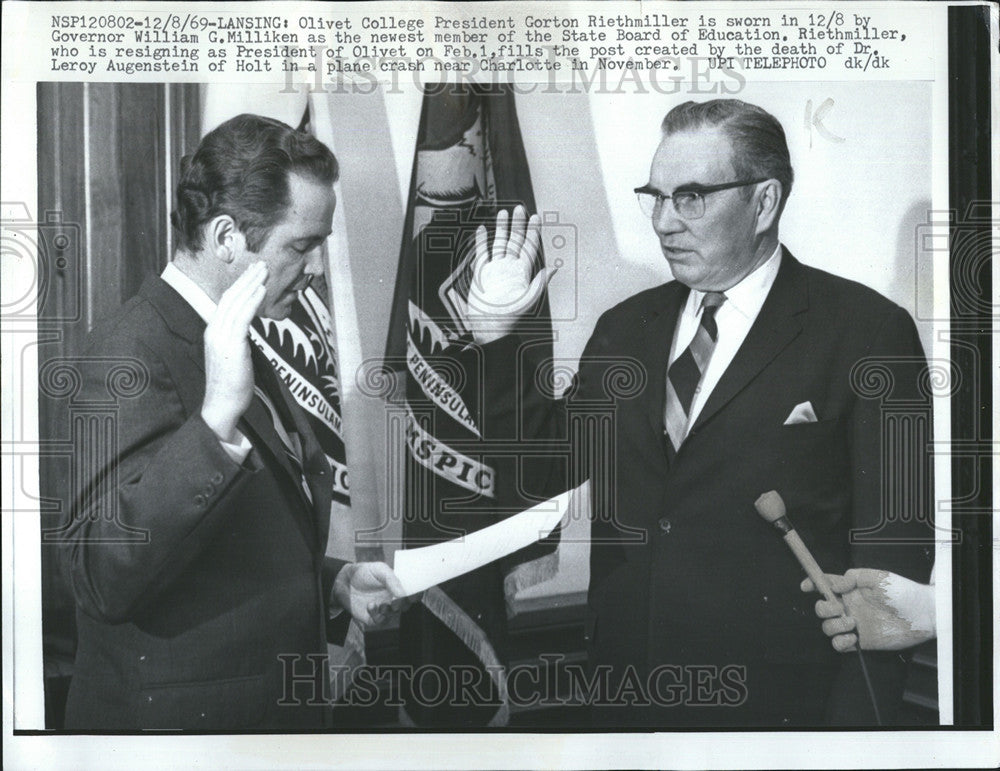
(711, 301)
(709, 305)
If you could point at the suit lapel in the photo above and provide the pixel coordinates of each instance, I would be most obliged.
(776, 326)
(180, 318)
(659, 335)
(315, 466)
(319, 475)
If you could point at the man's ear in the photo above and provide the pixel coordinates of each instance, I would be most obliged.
(223, 239)
(768, 203)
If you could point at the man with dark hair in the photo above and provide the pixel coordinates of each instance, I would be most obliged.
(749, 373)
(242, 169)
(197, 552)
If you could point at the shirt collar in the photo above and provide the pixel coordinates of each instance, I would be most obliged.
(748, 296)
(193, 294)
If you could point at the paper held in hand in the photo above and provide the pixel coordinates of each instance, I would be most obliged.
(427, 566)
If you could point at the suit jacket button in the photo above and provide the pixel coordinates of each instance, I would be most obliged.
(199, 500)
(665, 525)
(217, 478)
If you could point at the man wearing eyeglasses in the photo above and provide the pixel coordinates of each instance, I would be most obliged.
(751, 379)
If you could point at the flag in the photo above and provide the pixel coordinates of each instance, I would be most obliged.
(301, 350)
(461, 472)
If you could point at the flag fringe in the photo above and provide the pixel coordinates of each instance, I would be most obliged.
(526, 575)
(349, 658)
(469, 632)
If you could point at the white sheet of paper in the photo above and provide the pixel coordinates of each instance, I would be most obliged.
(427, 566)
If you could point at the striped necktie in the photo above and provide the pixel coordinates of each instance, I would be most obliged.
(686, 372)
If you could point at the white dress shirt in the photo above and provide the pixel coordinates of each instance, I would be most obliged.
(204, 306)
(733, 318)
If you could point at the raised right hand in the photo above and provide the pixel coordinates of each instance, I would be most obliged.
(507, 280)
(228, 369)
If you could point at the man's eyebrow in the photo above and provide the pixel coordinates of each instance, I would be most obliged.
(690, 187)
(686, 187)
(317, 239)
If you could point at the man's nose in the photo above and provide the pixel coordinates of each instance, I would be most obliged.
(315, 261)
(665, 218)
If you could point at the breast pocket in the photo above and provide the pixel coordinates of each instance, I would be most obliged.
(811, 468)
(805, 434)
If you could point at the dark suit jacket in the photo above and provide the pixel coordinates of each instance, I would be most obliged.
(185, 629)
(684, 572)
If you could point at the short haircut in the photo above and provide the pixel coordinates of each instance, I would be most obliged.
(759, 146)
(241, 168)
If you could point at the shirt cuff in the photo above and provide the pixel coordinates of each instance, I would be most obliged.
(237, 451)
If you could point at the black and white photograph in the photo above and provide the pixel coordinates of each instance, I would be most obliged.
(502, 385)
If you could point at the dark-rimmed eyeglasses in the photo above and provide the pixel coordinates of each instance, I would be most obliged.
(688, 201)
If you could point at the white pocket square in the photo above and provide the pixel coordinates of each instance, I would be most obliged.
(802, 413)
